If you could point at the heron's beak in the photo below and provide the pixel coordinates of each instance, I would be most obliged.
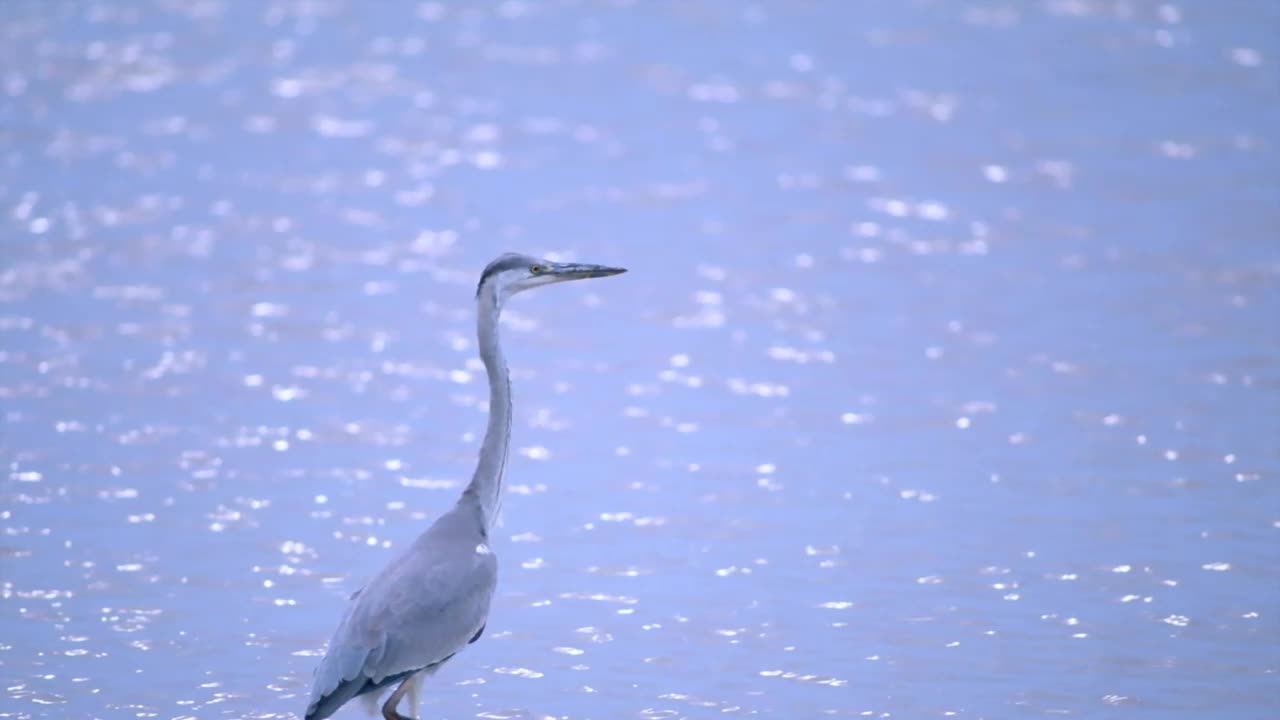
(582, 271)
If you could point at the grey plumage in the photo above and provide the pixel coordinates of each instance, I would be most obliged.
(420, 610)
(433, 598)
(505, 261)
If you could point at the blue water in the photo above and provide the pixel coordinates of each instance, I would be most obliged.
(945, 381)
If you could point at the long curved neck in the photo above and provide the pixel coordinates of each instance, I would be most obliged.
(486, 485)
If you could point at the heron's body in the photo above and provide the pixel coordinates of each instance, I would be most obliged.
(433, 599)
(418, 612)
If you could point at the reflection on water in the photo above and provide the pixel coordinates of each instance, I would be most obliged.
(944, 382)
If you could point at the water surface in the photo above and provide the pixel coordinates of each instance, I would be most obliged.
(945, 381)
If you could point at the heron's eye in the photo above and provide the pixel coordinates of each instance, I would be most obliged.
(536, 269)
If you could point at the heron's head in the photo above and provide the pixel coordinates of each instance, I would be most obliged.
(512, 273)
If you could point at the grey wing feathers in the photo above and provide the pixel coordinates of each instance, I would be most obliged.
(420, 610)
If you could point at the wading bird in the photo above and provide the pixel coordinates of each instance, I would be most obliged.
(433, 599)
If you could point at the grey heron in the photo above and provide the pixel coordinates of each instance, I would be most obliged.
(432, 599)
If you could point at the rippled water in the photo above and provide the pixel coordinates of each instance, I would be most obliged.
(945, 381)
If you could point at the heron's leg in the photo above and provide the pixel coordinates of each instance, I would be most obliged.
(415, 684)
(389, 707)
